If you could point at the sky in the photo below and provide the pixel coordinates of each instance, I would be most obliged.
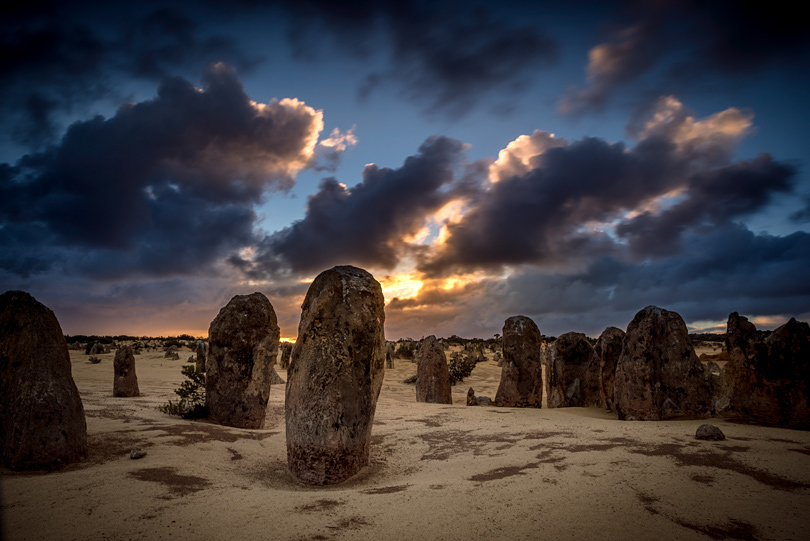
(572, 162)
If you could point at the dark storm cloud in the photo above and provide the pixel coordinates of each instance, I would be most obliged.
(365, 224)
(704, 45)
(56, 57)
(166, 184)
(560, 210)
(448, 56)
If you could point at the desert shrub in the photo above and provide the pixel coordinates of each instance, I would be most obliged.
(460, 366)
(173, 342)
(192, 395)
(407, 350)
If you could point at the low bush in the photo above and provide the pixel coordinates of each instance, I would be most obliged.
(192, 395)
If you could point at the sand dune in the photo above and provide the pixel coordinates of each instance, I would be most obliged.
(436, 472)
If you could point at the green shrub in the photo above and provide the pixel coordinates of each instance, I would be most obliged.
(460, 366)
(192, 395)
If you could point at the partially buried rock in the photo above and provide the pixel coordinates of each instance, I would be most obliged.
(125, 382)
(335, 376)
(658, 375)
(137, 453)
(432, 373)
(709, 432)
(767, 378)
(607, 350)
(42, 424)
(200, 350)
(242, 349)
(521, 383)
(473, 400)
(570, 364)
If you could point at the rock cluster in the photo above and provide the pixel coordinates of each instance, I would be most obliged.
(658, 375)
(432, 373)
(242, 349)
(125, 381)
(569, 365)
(767, 378)
(521, 383)
(335, 376)
(42, 424)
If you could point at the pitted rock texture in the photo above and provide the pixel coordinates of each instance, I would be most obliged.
(521, 383)
(242, 349)
(286, 352)
(335, 375)
(567, 369)
(767, 378)
(42, 424)
(125, 381)
(658, 375)
(432, 373)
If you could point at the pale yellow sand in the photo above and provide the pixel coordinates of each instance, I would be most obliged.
(436, 472)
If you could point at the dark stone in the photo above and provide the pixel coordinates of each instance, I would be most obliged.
(42, 424)
(568, 365)
(433, 374)
(286, 352)
(97, 349)
(201, 356)
(521, 384)
(471, 401)
(709, 432)
(335, 376)
(607, 350)
(275, 379)
(658, 375)
(242, 349)
(410, 380)
(389, 355)
(137, 453)
(125, 381)
(767, 377)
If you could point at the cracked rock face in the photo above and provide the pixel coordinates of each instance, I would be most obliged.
(521, 383)
(335, 375)
(658, 375)
(606, 352)
(42, 424)
(432, 373)
(242, 349)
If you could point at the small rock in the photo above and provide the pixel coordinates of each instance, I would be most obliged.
(137, 453)
(411, 380)
(709, 432)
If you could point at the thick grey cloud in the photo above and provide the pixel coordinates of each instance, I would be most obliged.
(165, 185)
(364, 225)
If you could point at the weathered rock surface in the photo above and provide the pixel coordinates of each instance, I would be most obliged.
(432, 373)
(567, 367)
(709, 432)
(521, 384)
(473, 400)
(275, 379)
(125, 381)
(286, 352)
(201, 357)
(608, 349)
(767, 378)
(242, 349)
(42, 424)
(335, 376)
(658, 375)
(97, 349)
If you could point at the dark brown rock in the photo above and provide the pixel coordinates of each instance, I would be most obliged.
(201, 356)
(42, 424)
(709, 432)
(658, 375)
(767, 378)
(471, 401)
(242, 349)
(125, 381)
(608, 349)
(286, 352)
(97, 349)
(568, 364)
(389, 355)
(335, 376)
(275, 379)
(521, 384)
(432, 373)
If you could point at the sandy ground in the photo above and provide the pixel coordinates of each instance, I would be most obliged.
(436, 472)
